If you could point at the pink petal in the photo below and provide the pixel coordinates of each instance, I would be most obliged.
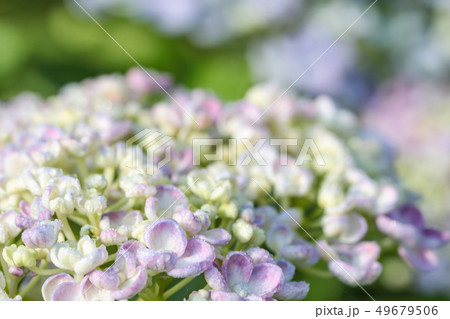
(188, 221)
(237, 268)
(214, 278)
(90, 292)
(265, 280)
(170, 199)
(157, 261)
(126, 258)
(132, 285)
(110, 237)
(166, 235)
(67, 291)
(216, 236)
(43, 235)
(259, 256)
(108, 279)
(52, 282)
(198, 257)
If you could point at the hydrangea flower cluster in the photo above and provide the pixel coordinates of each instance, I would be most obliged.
(78, 222)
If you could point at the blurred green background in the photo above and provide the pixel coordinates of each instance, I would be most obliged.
(44, 45)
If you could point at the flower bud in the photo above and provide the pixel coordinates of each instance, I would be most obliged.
(228, 210)
(242, 230)
(97, 181)
(258, 237)
(19, 256)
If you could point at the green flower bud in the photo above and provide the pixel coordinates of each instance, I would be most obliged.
(258, 237)
(97, 181)
(228, 210)
(19, 256)
(221, 192)
(242, 230)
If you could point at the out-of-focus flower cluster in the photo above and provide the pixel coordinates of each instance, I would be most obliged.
(286, 37)
(421, 111)
(77, 214)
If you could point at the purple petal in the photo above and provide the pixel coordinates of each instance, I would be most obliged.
(188, 221)
(126, 259)
(225, 296)
(279, 236)
(43, 235)
(259, 256)
(434, 239)
(406, 233)
(119, 218)
(170, 198)
(301, 254)
(408, 214)
(52, 283)
(15, 271)
(198, 257)
(166, 235)
(110, 237)
(287, 268)
(157, 261)
(108, 279)
(215, 279)
(132, 285)
(422, 259)
(67, 291)
(237, 268)
(215, 237)
(265, 280)
(292, 291)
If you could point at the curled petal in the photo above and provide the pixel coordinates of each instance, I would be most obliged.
(190, 223)
(348, 228)
(406, 233)
(90, 292)
(287, 268)
(43, 235)
(434, 239)
(300, 254)
(259, 256)
(108, 279)
(170, 199)
(279, 236)
(157, 261)
(120, 218)
(265, 280)
(237, 268)
(166, 235)
(422, 259)
(15, 271)
(132, 285)
(215, 279)
(111, 237)
(197, 257)
(126, 259)
(67, 291)
(352, 275)
(292, 291)
(225, 296)
(150, 208)
(91, 261)
(216, 237)
(52, 283)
